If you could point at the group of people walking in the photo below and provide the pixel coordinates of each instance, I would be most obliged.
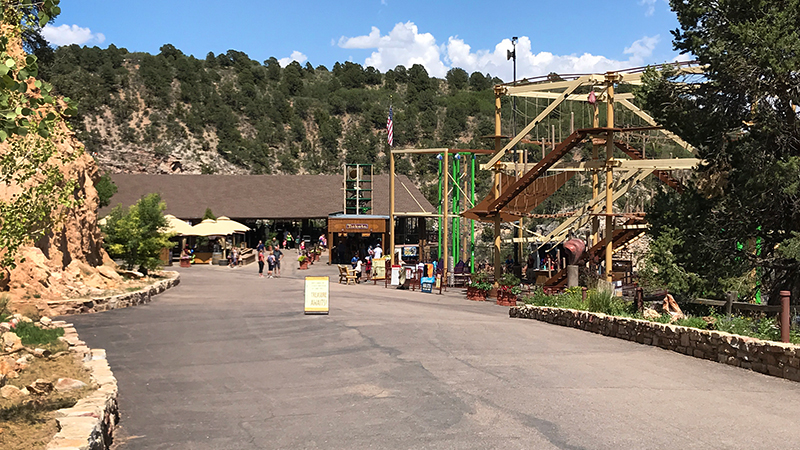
(272, 256)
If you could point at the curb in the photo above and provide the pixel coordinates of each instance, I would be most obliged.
(778, 359)
(97, 304)
(89, 425)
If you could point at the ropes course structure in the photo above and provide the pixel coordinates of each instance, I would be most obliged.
(519, 186)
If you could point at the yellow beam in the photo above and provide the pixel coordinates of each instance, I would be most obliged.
(636, 110)
(419, 150)
(569, 87)
(573, 97)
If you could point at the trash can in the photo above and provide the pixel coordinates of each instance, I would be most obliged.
(216, 257)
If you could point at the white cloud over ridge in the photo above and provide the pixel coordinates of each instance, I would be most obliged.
(295, 56)
(650, 6)
(71, 34)
(405, 45)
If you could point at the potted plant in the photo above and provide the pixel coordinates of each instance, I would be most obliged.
(478, 287)
(508, 289)
(304, 261)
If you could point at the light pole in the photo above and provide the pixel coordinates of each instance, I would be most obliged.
(512, 54)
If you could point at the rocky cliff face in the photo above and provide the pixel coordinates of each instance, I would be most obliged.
(70, 260)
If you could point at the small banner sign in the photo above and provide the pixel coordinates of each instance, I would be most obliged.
(395, 276)
(316, 295)
(427, 284)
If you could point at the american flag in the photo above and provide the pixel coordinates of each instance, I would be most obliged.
(390, 128)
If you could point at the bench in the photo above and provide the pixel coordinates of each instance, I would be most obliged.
(346, 275)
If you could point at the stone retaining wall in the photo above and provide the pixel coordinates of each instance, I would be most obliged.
(83, 306)
(89, 425)
(772, 358)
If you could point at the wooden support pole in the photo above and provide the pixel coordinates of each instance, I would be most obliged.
(595, 179)
(610, 79)
(498, 145)
(391, 206)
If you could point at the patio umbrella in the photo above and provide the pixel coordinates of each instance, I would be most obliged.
(178, 226)
(234, 226)
(210, 227)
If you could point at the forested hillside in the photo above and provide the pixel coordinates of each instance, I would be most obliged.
(230, 114)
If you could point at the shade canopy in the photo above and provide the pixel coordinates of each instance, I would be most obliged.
(236, 227)
(224, 227)
(177, 226)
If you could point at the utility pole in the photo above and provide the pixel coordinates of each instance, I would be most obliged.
(512, 55)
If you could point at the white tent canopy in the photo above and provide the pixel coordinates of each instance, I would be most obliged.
(177, 226)
(221, 227)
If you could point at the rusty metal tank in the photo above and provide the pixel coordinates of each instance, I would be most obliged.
(574, 249)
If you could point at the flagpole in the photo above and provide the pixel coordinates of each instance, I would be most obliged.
(390, 141)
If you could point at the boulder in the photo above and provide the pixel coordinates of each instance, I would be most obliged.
(68, 384)
(12, 392)
(11, 342)
(40, 387)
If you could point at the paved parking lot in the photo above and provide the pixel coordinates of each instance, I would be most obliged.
(228, 360)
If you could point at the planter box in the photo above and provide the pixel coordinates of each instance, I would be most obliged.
(506, 298)
(478, 295)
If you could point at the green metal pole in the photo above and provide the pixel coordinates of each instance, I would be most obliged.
(456, 206)
(472, 222)
(439, 220)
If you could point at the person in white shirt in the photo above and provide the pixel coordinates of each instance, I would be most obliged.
(378, 251)
(359, 268)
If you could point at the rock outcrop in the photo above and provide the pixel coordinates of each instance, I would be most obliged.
(70, 260)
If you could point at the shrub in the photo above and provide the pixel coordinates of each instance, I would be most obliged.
(605, 302)
(30, 334)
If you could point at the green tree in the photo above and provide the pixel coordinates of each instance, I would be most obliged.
(209, 215)
(136, 235)
(741, 212)
(457, 79)
(105, 189)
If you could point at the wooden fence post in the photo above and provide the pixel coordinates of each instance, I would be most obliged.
(785, 299)
(730, 297)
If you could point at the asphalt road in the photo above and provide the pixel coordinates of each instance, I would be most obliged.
(227, 360)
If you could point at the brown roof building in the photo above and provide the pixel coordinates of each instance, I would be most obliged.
(290, 197)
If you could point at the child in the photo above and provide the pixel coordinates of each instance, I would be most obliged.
(358, 270)
(270, 264)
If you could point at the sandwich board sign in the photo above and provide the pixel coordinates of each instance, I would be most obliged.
(316, 295)
(427, 284)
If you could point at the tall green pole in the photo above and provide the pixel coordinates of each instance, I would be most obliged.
(439, 220)
(456, 206)
(472, 222)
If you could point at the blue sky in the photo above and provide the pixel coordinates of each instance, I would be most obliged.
(570, 36)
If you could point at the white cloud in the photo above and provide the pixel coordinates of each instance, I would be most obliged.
(642, 48)
(650, 6)
(405, 45)
(295, 56)
(71, 34)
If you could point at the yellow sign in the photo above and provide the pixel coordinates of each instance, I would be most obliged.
(379, 269)
(317, 295)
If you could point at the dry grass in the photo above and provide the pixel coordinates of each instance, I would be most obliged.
(30, 423)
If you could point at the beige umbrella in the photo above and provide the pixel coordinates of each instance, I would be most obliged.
(178, 226)
(210, 227)
(234, 226)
